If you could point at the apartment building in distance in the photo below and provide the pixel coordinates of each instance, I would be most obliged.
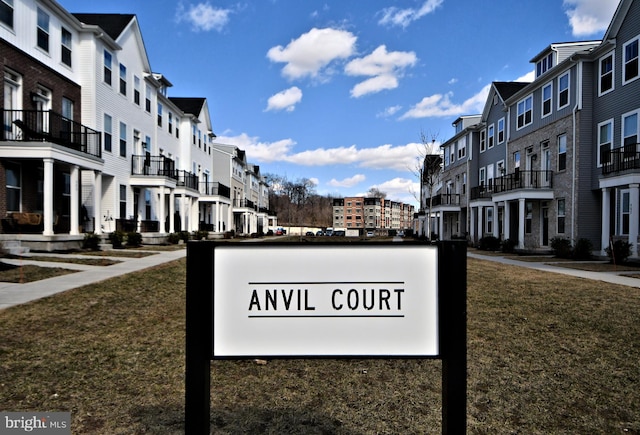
(372, 214)
(557, 157)
(93, 142)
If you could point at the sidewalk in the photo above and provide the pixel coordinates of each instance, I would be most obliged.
(14, 294)
(548, 266)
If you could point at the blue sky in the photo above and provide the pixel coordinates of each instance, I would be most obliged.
(340, 91)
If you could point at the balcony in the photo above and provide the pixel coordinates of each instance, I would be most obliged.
(244, 203)
(518, 180)
(187, 179)
(153, 166)
(214, 188)
(620, 159)
(446, 199)
(48, 126)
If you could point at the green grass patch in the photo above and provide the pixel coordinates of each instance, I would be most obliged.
(547, 354)
(29, 273)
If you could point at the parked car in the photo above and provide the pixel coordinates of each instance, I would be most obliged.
(339, 233)
(370, 234)
(319, 233)
(309, 234)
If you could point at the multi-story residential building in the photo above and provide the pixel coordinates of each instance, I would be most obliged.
(375, 214)
(91, 140)
(556, 157)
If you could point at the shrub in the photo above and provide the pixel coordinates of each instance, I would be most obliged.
(620, 252)
(489, 243)
(134, 239)
(199, 235)
(509, 245)
(184, 236)
(582, 249)
(561, 247)
(116, 239)
(173, 238)
(91, 241)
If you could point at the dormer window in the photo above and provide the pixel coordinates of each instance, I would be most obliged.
(544, 64)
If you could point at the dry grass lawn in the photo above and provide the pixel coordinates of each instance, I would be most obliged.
(547, 354)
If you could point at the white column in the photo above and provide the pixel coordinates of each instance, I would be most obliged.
(48, 197)
(634, 218)
(74, 200)
(605, 229)
(496, 233)
(472, 225)
(172, 211)
(97, 202)
(218, 220)
(441, 225)
(521, 211)
(480, 220)
(506, 221)
(162, 214)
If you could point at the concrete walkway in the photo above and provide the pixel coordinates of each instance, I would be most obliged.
(15, 294)
(615, 277)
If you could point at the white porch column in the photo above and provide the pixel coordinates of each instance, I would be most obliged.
(605, 229)
(521, 210)
(480, 219)
(74, 200)
(172, 211)
(97, 202)
(496, 230)
(162, 215)
(441, 225)
(48, 197)
(472, 225)
(217, 220)
(184, 207)
(506, 220)
(634, 218)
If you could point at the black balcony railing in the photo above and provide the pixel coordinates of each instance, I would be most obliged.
(244, 203)
(188, 180)
(446, 199)
(153, 166)
(48, 126)
(620, 159)
(515, 181)
(214, 188)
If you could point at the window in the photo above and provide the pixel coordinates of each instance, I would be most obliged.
(483, 141)
(452, 149)
(107, 68)
(170, 122)
(489, 220)
(66, 126)
(630, 134)
(123, 79)
(107, 132)
(630, 61)
(159, 115)
(490, 176)
(544, 65)
(482, 178)
(528, 217)
(606, 74)
(516, 161)
(14, 186)
(562, 152)
(561, 215)
(563, 90)
(446, 156)
(605, 139)
(462, 148)
(491, 136)
(193, 134)
(525, 112)
(147, 98)
(123, 139)
(547, 93)
(625, 212)
(43, 30)
(123, 201)
(6, 12)
(501, 130)
(65, 40)
(136, 90)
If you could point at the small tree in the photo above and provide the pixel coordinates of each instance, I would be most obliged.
(428, 170)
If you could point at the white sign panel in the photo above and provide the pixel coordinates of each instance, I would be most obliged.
(325, 300)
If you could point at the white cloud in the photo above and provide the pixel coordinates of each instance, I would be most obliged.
(256, 150)
(347, 182)
(588, 17)
(399, 189)
(384, 68)
(389, 111)
(394, 16)
(285, 100)
(312, 52)
(453, 81)
(203, 16)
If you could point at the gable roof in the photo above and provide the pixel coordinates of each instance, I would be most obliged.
(192, 106)
(113, 24)
(617, 20)
(506, 89)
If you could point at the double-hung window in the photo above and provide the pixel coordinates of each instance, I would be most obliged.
(65, 46)
(14, 186)
(547, 97)
(561, 215)
(483, 141)
(159, 115)
(136, 90)
(605, 139)
(123, 139)
(563, 91)
(500, 130)
(107, 131)
(43, 30)
(562, 152)
(6, 13)
(107, 68)
(606, 74)
(123, 79)
(524, 112)
(630, 61)
(491, 136)
(630, 134)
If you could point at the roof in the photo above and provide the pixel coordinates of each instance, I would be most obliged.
(507, 89)
(113, 24)
(189, 105)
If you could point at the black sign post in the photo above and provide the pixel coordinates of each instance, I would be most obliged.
(452, 334)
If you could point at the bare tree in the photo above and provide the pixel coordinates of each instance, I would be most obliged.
(374, 192)
(427, 169)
